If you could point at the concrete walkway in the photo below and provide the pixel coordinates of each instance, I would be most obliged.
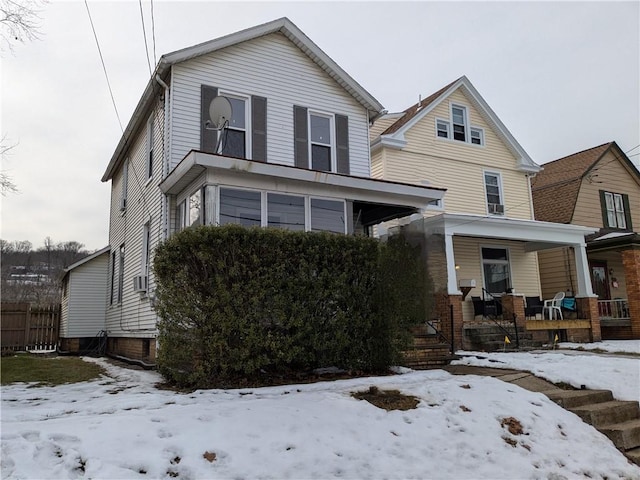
(618, 420)
(525, 380)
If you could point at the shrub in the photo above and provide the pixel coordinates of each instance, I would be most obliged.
(238, 302)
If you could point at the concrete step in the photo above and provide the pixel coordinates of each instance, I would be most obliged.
(607, 413)
(576, 398)
(625, 435)
(633, 455)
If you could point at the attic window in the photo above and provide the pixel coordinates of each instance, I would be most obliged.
(477, 136)
(462, 131)
(458, 115)
(442, 127)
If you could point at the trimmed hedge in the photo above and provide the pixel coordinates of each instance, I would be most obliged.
(236, 303)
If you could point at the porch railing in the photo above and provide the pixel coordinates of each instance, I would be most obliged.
(617, 309)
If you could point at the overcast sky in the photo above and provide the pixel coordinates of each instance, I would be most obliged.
(562, 76)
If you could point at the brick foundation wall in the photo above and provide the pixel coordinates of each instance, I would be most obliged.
(143, 349)
(71, 345)
(579, 335)
(617, 333)
(443, 302)
(631, 263)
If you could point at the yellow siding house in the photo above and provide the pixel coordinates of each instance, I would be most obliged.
(482, 240)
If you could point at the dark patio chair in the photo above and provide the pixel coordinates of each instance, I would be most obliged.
(533, 307)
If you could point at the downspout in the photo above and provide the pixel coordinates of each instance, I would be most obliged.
(165, 154)
(165, 172)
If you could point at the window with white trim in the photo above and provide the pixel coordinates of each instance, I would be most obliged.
(243, 207)
(120, 273)
(614, 204)
(493, 192)
(462, 131)
(112, 286)
(195, 208)
(146, 249)
(125, 187)
(181, 216)
(150, 142)
(459, 120)
(442, 127)
(235, 142)
(285, 211)
(496, 270)
(476, 135)
(321, 145)
(327, 215)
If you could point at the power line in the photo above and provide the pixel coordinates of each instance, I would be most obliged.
(153, 33)
(104, 68)
(631, 149)
(144, 34)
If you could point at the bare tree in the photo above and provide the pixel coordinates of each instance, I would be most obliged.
(6, 182)
(19, 21)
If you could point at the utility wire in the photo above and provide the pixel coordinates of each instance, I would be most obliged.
(104, 68)
(144, 34)
(153, 33)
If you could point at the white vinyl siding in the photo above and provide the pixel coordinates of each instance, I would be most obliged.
(84, 315)
(134, 316)
(274, 68)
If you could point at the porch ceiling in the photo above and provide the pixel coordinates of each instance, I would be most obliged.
(536, 235)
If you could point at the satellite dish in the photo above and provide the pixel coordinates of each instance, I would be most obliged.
(219, 112)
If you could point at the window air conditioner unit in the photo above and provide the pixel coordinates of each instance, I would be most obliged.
(496, 209)
(123, 204)
(140, 283)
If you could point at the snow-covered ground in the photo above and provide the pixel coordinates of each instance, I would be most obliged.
(628, 346)
(122, 426)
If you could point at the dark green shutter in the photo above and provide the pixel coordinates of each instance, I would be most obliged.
(627, 211)
(342, 144)
(301, 137)
(603, 207)
(208, 138)
(259, 129)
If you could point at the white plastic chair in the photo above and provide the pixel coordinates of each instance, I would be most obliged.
(552, 306)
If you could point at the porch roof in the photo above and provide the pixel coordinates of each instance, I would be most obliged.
(614, 241)
(378, 200)
(537, 235)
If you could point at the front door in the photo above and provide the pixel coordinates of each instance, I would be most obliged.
(600, 280)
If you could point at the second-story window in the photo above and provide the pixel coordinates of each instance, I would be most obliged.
(493, 192)
(245, 134)
(150, 141)
(125, 186)
(615, 210)
(321, 142)
(234, 142)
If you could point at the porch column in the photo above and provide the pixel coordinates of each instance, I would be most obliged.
(631, 262)
(582, 271)
(452, 276)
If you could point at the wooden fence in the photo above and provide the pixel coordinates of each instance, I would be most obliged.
(29, 327)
